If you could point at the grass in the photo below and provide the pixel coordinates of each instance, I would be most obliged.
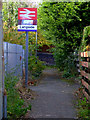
(83, 108)
(15, 104)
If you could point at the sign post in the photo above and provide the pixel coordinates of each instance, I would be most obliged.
(1, 62)
(36, 43)
(26, 62)
(27, 21)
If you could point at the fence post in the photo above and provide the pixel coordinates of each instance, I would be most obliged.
(1, 69)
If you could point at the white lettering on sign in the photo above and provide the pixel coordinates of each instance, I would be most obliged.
(27, 27)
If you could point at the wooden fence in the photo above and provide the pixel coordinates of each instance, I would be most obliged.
(85, 72)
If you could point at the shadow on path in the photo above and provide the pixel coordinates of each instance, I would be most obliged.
(55, 97)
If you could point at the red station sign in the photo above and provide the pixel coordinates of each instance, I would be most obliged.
(27, 19)
(27, 13)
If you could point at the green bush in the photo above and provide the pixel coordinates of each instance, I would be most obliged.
(14, 102)
(70, 69)
(35, 66)
(66, 63)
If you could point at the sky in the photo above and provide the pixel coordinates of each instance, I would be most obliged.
(22, 0)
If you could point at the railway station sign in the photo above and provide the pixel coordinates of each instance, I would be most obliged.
(27, 19)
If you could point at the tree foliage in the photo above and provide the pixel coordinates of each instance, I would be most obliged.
(63, 23)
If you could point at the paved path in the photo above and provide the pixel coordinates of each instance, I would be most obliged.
(55, 97)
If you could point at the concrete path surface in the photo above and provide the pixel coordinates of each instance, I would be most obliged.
(55, 97)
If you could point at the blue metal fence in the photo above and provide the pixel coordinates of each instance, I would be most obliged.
(13, 58)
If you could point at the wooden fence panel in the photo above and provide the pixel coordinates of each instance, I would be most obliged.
(87, 75)
(85, 64)
(85, 72)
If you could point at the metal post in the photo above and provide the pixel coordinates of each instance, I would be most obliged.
(36, 43)
(26, 60)
(6, 58)
(1, 65)
(5, 104)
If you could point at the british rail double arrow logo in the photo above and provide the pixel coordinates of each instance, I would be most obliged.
(27, 13)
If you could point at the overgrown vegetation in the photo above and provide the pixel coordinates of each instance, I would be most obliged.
(15, 104)
(83, 108)
(63, 24)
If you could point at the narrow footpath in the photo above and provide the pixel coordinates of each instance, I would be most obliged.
(55, 98)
